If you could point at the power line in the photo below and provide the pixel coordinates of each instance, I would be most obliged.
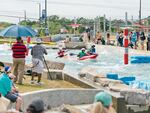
(11, 16)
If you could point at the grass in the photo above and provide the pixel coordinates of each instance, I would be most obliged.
(47, 84)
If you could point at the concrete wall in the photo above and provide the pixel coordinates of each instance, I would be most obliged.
(75, 45)
(57, 97)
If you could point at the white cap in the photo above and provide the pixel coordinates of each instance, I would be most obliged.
(38, 40)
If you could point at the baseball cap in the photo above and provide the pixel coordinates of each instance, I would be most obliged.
(7, 69)
(38, 104)
(104, 98)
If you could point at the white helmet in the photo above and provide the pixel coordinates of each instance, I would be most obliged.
(83, 49)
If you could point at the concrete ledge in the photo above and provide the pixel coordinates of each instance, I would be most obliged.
(57, 97)
(136, 97)
(77, 81)
(75, 45)
(54, 74)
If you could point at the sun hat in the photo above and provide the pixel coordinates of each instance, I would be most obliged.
(7, 69)
(38, 104)
(38, 40)
(104, 98)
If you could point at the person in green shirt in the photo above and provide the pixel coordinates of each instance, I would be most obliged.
(82, 53)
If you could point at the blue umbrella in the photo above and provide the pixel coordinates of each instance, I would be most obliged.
(18, 31)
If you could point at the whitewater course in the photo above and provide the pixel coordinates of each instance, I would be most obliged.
(128, 84)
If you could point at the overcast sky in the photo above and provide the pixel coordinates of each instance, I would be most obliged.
(74, 8)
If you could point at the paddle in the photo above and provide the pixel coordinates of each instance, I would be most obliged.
(47, 68)
(62, 56)
(72, 54)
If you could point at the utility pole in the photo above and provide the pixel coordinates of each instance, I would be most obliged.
(46, 14)
(25, 17)
(39, 30)
(39, 12)
(99, 25)
(140, 14)
(104, 26)
(110, 25)
(126, 19)
(132, 19)
(94, 30)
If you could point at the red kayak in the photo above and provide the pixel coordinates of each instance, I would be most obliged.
(89, 57)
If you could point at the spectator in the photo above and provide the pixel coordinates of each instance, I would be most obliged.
(142, 38)
(1, 67)
(120, 39)
(103, 104)
(148, 41)
(6, 89)
(37, 53)
(98, 37)
(36, 106)
(134, 39)
(108, 38)
(19, 51)
(117, 38)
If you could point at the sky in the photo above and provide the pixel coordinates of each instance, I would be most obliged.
(10, 10)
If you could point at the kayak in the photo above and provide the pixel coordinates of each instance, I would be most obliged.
(89, 57)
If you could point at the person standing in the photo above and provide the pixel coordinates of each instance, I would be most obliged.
(37, 53)
(98, 38)
(19, 53)
(108, 38)
(148, 41)
(134, 39)
(142, 38)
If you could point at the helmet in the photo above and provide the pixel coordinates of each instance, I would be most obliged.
(83, 49)
(93, 45)
(104, 98)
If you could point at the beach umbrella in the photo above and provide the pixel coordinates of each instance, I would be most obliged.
(18, 31)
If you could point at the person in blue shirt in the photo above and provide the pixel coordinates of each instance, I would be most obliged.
(92, 50)
(134, 39)
(6, 88)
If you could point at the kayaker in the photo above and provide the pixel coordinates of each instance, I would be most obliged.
(61, 52)
(92, 50)
(82, 53)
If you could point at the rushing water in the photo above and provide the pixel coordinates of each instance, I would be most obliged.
(110, 60)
